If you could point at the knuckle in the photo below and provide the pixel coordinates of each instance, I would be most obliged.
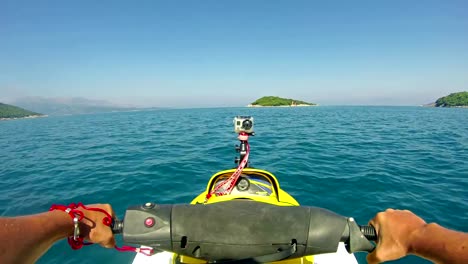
(380, 216)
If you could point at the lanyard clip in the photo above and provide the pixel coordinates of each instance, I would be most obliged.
(76, 230)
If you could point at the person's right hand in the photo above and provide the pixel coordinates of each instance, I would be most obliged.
(395, 230)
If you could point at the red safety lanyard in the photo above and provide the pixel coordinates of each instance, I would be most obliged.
(76, 241)
(227, 186)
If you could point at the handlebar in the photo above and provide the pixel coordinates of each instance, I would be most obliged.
(116, 226)
(369, 232)
(240, 229)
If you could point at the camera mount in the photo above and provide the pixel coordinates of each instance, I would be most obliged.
(242, 148)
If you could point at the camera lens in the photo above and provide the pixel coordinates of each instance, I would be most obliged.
(247, 124)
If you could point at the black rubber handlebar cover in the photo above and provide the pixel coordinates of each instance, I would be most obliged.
(241, 229)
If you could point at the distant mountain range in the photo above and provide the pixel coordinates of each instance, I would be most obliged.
(68, 106)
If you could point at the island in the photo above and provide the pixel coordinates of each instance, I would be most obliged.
(453, 100)
(278, 101)
(13, 112)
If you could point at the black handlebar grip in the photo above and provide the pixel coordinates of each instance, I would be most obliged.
(369, 232)
(116, 226)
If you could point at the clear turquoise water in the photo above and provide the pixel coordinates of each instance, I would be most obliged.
(355, 161)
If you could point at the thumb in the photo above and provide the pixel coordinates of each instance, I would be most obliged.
(372, 257)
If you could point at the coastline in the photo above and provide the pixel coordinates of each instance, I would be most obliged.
(458, 106)
(24, 117)
(299, 105)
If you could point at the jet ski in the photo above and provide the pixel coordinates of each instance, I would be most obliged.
(243, 216)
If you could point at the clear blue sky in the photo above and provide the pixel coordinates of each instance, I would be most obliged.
(228, 53)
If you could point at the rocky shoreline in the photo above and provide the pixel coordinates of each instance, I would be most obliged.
(433, 105)
(24, 117)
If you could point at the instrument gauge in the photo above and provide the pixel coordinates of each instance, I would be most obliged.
(243, 184)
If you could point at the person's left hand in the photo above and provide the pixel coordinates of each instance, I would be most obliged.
(92, 227)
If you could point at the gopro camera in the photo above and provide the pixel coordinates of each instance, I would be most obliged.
(243, 124)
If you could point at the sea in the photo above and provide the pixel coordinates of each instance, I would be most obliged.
(353, 160)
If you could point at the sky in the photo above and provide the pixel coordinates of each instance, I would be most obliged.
(229, 53)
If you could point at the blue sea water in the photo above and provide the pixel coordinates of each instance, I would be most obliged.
(355, 161)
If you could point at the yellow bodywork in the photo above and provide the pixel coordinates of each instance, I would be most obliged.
(277, 197)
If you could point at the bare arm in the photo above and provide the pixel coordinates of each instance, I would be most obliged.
(24, 239)
(440, 245)
(402, 233)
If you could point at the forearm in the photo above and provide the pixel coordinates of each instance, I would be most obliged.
(440, 245)
(25, 239)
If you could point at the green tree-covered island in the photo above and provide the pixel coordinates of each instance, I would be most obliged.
(278, 101)
(12, 112)
(453, 100)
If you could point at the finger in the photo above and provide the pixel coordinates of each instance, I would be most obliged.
(375, 222)
(105, 207)
(109, 210)
(377, 232)
(372, 257)
(110, 243)
(378, 255)
(103, 236)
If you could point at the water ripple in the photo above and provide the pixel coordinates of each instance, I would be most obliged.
(353, 160)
